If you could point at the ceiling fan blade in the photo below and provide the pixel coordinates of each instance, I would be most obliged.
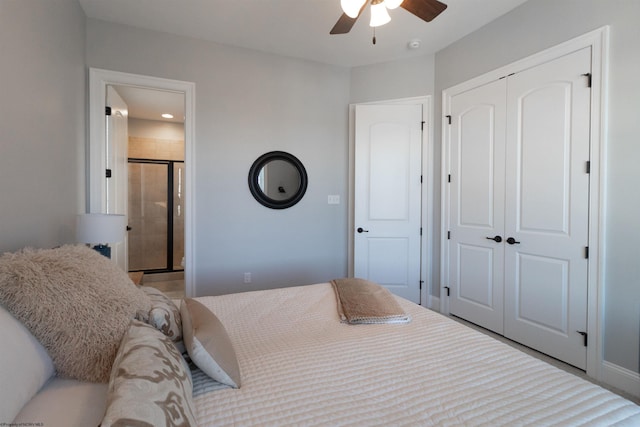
(424, 9)
(345, 22)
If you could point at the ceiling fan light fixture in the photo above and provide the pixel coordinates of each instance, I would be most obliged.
(392, 4)
(426, 10)
(352, 7)
(379, 14)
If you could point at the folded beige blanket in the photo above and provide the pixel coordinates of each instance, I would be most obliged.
(363, 302)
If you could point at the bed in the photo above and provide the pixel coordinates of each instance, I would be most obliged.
(88, 347)
(301, 366)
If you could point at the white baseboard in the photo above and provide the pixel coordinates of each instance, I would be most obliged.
(621, 378)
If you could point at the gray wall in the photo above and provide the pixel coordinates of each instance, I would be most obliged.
(393, 80)
(539, 24)
(42, 121)
(155, 129)
(249, 103)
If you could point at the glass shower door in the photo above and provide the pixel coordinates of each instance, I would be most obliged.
(156, 215)
(148, 215)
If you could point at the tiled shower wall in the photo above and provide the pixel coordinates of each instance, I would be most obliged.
(155, 149)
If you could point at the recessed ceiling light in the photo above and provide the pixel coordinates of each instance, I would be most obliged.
(167, 116)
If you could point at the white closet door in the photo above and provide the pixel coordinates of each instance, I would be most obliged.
(476, 263)
(547, 192)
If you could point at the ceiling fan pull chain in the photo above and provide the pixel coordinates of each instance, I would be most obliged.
(374, 35)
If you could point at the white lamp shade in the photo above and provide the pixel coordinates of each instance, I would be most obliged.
(352, 7)
(100, 228)
(379, 15)
(392, 4)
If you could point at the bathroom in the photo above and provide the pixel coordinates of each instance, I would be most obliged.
(156, 192)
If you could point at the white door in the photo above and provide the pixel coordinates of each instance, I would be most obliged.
(519, 149)
(547, 197)
(387, 199)
(117, 184)
(476, 260)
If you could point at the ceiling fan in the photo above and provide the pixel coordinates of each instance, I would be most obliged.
(423, 9)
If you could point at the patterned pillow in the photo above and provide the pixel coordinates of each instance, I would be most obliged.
(150, 382)
(164, 314)
(208, 343)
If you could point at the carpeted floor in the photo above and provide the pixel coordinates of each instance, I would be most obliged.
(555, 362)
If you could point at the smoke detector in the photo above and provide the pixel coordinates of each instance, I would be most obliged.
(414, 44)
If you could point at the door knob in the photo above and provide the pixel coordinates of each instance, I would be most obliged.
(496, 239)
(129, 228)
(362, 230)
(512, 241)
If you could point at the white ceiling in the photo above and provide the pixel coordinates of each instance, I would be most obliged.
(300, 28)
(150, 104)
(294, 28)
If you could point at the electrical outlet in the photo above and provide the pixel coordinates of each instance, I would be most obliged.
(333, 199)
(247, 277)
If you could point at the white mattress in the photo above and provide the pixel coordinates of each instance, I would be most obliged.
(301, 366)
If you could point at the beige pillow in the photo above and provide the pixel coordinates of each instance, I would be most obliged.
(150, 383)
(208, 344)
(76, 302)
(164, 314)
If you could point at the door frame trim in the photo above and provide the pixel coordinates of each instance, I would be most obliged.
(96, 149)
(598, 41)
(426, 215)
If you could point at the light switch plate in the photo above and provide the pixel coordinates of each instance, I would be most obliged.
(333, 199)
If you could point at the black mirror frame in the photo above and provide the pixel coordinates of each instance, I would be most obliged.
(257, 192)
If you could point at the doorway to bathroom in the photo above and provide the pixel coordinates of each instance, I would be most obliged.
(155, 187)
(109, 193)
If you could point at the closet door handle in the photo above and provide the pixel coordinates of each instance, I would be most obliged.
(362, 230)
(496, 239)
(512, 241)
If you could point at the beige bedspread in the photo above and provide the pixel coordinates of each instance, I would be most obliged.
(301, 366)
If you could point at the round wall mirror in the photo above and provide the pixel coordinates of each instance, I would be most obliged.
(277, 180)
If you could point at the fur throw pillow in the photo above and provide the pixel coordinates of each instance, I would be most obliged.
(76, 302)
